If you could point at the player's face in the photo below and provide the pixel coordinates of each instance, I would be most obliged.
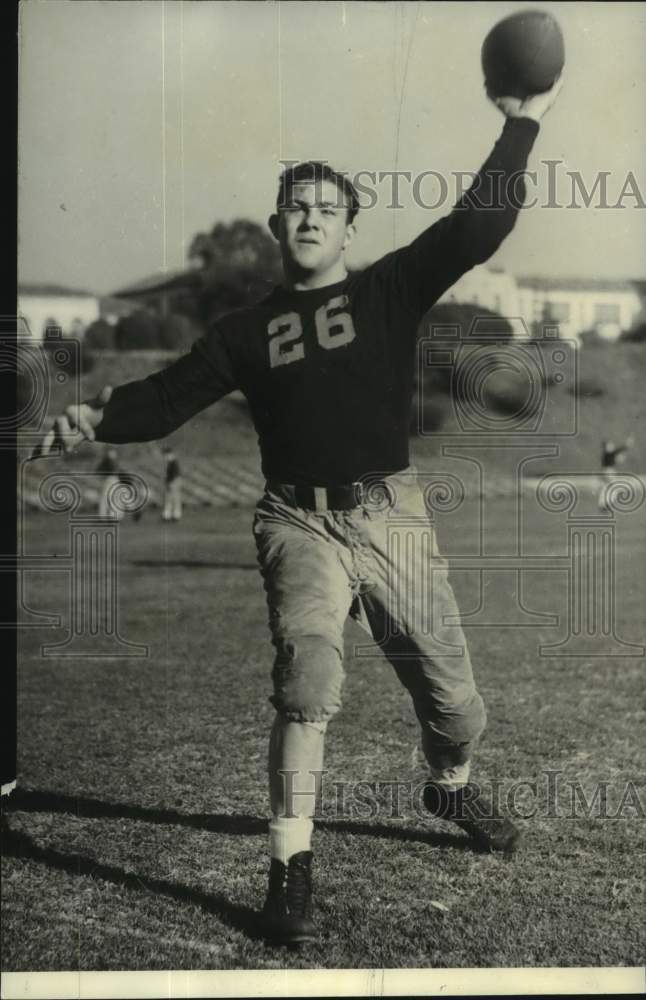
(312, 228)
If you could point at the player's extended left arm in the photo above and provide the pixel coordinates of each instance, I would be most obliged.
(148, 409)
(152, 408)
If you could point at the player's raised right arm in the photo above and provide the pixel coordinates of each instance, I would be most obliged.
(482, 218)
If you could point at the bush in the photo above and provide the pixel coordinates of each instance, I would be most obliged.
(137, 332)
(472, 321)
(637, 334)
(145, 331)
(99, 336)
(507, 391)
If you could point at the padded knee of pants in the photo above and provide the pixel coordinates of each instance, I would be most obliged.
(449, 736)
(308, 677)
(441, 756)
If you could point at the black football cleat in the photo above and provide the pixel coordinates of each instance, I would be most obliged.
(287, 913)
(473, 813)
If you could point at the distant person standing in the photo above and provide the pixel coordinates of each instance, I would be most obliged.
(611, 456)
(172, 487)
(108, 468)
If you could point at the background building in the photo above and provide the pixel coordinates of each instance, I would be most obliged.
(41, 306)
(157, 291)
(576, 304)
(581, 304)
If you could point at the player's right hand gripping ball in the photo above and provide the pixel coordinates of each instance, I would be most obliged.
(523, 55)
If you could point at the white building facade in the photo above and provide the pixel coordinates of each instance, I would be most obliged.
(575, 305)
(578, 304)
(43, 306)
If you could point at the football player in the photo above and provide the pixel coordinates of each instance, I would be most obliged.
(326, 363)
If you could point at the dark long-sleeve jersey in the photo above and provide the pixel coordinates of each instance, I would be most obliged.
(328, 372)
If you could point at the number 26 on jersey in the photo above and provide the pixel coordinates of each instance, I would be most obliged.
(333, 329)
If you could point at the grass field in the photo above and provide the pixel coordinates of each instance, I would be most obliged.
(137, 837)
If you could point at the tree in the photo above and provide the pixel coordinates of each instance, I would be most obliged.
(137, 332)
(239, 264)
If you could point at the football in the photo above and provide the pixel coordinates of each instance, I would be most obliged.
(523, 54)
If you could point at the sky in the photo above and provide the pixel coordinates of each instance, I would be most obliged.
(142, 123)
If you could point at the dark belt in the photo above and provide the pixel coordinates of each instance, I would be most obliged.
(322, 498)
(346, 496)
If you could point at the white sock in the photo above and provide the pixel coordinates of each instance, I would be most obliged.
(289, 836)
(451, 778)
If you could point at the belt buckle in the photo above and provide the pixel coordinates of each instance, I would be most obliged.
(320, 495)
(322, 498)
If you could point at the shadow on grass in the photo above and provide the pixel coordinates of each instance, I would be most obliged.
(34, 800)
(18, 845)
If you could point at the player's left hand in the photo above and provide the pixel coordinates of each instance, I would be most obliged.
(75, 425)
(534, 106)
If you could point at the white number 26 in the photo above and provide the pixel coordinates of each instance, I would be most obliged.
(334, 328)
